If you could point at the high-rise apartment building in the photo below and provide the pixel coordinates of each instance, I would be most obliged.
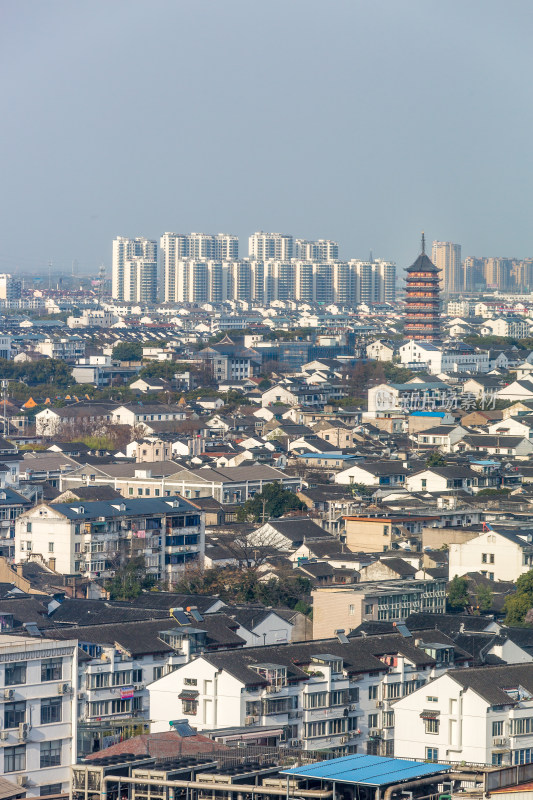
(178, 247)
(473, 276)
(321, 250)
(446, 256)
(265, 246)
(133, 276)
(10, 288)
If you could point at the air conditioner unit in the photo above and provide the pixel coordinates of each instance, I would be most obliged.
(344, 739)
(23, 730)
(63, 688)
(250, 720)
(9, 694)
(294, 742)
(4, 735)
(22, 780)
(379, 703)
(353, 707)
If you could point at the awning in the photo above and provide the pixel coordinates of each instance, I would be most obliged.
(429, 714)
(258, 734)
(188, 694)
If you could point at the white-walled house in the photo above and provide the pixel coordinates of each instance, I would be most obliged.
(482, 715)
(442, 479)
(316, 694)
(38, 713)
(92, 538)
(501, 555)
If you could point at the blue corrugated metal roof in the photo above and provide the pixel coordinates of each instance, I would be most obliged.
(367, 770)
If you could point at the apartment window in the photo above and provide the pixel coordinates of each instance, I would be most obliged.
(51, 753)
(15, 674)
(497, 759)
(14, 714)
(51, 669)
(369, 607)
(50, 547)
(15, 758)
(50, 710)
(157, 492)
(314, 729)
(136, 704)
(130, 491)
(388, 719)
(158, 672)
(424, 483)
(393, 690)
(373, 720)
(316, 700)
(523, 756)
(139, 491)
(497, 728)
(432, 754)
(50, 788)
(432, 725)
(137, 676)
(373, 692)
(351, 610)
(28, 527)
(190, 682)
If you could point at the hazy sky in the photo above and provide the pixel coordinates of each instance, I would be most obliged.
(364, 122)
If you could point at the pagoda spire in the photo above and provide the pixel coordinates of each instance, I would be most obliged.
(423, 243)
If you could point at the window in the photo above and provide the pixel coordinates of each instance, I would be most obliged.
(51, 669)
(369, 608)
(190, 707)
(14, 714)
(497, 759)
(316, 700)
(51, 753)
(432, 725)
(432, 699)
(314, 729)
(432, 754)
(130, 490)
(497, 728)
(158, 672)
(373, 720)
(424, 483)
(50, 788)
(28, 527)
(50, 547)
(373, 692)
(14, 758)
(388, 719)
(50, 710)
(137, 676)
(190, 682)
(15, 674)
(351, 610)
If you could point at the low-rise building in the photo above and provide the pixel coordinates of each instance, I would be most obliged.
(38, 713)
(482, 715)
(388, 601)
(95, 538)
(501, 555)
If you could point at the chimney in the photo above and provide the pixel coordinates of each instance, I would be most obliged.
(19, 570)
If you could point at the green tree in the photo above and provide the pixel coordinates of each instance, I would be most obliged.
(129, 580)
(435, 459)
(483, 597)
(458, 593)
(273, 501)
(517, 605)
(128, 351)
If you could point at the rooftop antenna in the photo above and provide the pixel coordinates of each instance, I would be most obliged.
(50, 274)
(371, 259)
(423, 243)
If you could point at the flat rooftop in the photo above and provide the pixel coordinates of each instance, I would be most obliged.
(367, 770)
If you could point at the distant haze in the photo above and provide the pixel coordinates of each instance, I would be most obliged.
(364, 121)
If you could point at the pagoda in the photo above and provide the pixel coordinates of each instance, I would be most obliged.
(422, 286)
